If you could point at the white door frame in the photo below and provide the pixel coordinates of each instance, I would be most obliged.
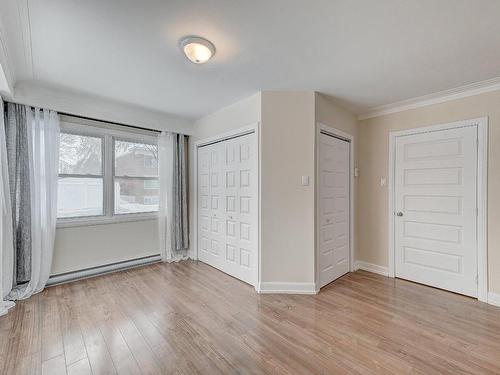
(342, 135)
(249, 129)
(482, 196)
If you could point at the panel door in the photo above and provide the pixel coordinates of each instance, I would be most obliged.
(240, 173)
(334, 208)
(231, 238)
(436, 211)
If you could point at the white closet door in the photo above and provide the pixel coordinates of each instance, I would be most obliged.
(435, 202)
(334, 208)
(211, 225)
(233, 234)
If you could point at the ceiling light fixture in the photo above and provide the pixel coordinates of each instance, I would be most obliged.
(197, 49)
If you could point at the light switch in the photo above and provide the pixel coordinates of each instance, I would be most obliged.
(305, 180)
(382, 181)
(356, 172)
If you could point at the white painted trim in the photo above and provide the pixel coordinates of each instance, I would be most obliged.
(494, 299)
(286, 288)
(101, 270)
(482, 205)
(435, 98)
(252, 128)
(370, 267)
(482, 196)
(338, 133)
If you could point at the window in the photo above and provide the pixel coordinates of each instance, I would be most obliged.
(134, 181)
(105, 174)
(80, 190)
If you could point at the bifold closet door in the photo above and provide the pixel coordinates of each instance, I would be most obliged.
(334, 208)
(227, 206)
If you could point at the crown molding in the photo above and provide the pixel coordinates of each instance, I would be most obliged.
(435, 98)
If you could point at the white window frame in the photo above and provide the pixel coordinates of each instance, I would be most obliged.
(107, 135)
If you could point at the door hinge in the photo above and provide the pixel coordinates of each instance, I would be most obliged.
(477, 211)
(477, 279)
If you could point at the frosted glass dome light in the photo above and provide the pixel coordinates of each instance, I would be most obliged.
(198, 50)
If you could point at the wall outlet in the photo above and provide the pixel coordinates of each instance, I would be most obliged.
(383, 181)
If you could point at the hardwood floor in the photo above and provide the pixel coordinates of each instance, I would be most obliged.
(190, 318)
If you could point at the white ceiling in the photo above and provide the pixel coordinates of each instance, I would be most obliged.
(365, 53)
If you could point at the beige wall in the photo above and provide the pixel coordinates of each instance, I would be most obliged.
(287, 207)
(329, 113)
(242, 113)
(373, 163)
(83, 247)
(287, 152)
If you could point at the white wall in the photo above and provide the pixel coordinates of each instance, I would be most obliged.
(78, 248)
(39, 95)
(89, 246)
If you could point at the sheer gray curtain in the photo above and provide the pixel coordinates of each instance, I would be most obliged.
(173, 215)
(28, 196)
(180, 189)
(18, 157)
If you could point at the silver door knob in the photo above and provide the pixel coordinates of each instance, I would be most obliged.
(399, 214)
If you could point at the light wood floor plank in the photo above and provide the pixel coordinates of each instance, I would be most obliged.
(54, 366)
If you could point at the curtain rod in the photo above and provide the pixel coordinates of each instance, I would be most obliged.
(109, 122)
(93, 119)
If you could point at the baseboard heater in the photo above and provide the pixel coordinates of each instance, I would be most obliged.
(101, 270)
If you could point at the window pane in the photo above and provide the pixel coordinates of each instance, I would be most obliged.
(79, 197)
(80, 154)
(136, 159)
(131, 195)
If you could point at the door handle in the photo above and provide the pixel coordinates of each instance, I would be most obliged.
(399, 213)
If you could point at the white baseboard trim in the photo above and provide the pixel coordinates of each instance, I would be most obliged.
(494, 299)
(286, 288)
(370, 267)
(100, 270)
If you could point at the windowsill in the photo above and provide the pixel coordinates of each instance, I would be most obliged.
(102, 220)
